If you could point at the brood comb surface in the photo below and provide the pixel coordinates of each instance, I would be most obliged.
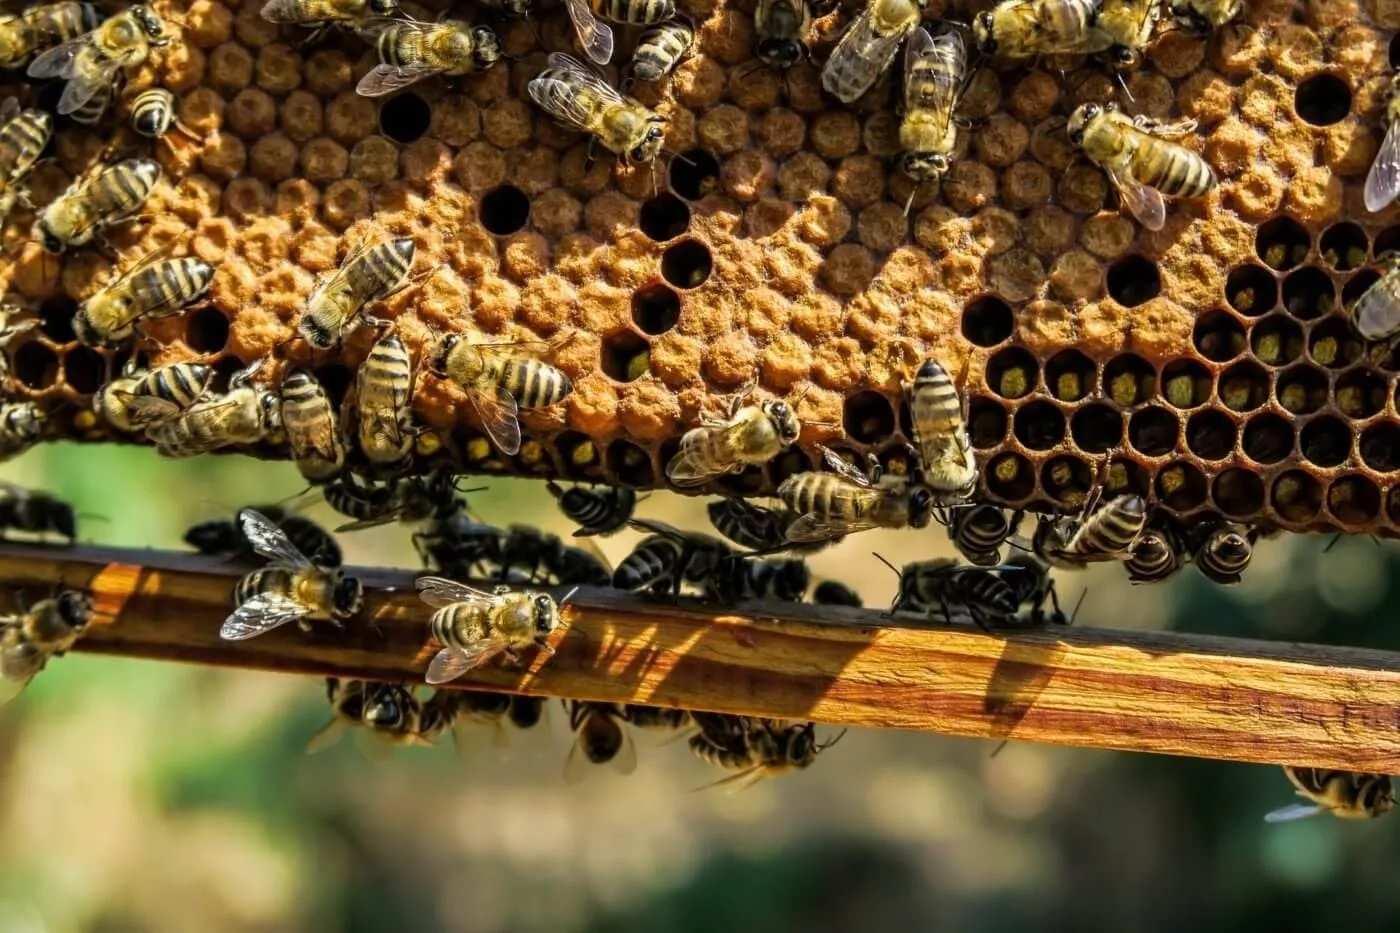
(1214, 355)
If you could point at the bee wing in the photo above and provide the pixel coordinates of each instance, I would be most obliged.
(920, 47)
(562, 100)
(269, 540)
(386, 79)
(1296, 811)
(1144, 201)
(11, 687)
(1383, 181)
(811, 528)
(863, 47)
(57, 62)
(440, 591)
(146, 410)
(85, 85)
(844, 469)
(687, 467)
(499, 419)
(260, 614)
(391, 516)
(282, 11)
(450, 663)
(1375, 314)
(326, 736)
(594, 36)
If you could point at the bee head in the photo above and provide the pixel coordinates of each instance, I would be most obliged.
(75, 608)
(780, 53)
(982, 34)
(650, 145)
(920, 507)
(271, 404)
(924, 166)
(799, 746)
(486, 47)
(546, 614)
(149, 22)
(349, 597)
(82, 329)
(785, 419)
(438, 361)
(47, 238)
(1080, 120)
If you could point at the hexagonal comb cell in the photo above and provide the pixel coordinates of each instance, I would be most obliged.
(664, 217)
(1218, 336)
(1210, 434)
(83, 370)
(35, 365)
(1344, 246)
(1380, 447)
(56, 319)
(1244, 386)
(1333, 343)
(694, 174)
(579, 455)
(1128, 379)
(986, 423)
(1360, 393)
(656, 308)
(987, 321)
(626, 356)
(686, 264)
(1153, 431)
(1069, 375)
(1238, 493)
(505, 210)
(1012, 372)
(206, 330)
(404, 118)
(1354, 500)
(1301, 390)
(1325, 441)
(1322, 99)
(1276, 340)
(1282, 243)
(1009, 476)
(1268, 438)
(1096, 428)
(630, 464)
(868, 417)
(1308, 293)
(1296, 497)
(1185, 384)
(1251, 289)
(1039, 425)
(1134, 280)
(1067, 480)
(1181, 487)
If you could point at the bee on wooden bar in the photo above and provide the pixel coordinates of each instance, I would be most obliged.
(347, 700)
(944, 585)
(1027, 28)
(1221, 551)
(224, 537)
(935, 75)
(312, 430)
(109, 196)
(93, 61)
(600, 738)
(150, 290)
(1126, 26)
(383, 402)
(245, 414)
(867, 48)
(23, 137)
(660, 49)
(1158, 555)
(411, 51)
(1347, 795)
(1030, 582)
(36, 513)
(1376, 314)
(21, 426)
(370, 272)
(751, 435)
(783, 27)
(668, 558)
(573, 94)
(138, 399)
(31, 637)
(846, 501)
(980, 531)
(474, 626)
(741, 577)
(1199, 17)
(597, 509)
(836, 593)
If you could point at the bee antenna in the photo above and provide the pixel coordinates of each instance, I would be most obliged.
(1078, 603)
(882, 560)
(825, 745)
(570, 595)
(997, 751)
(1333, 543)
(1124, 85)
(913, 190)
(676, 155)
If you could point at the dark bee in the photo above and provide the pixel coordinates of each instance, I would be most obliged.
(979, 531)
(835, 593)
(1030, 582)
(755, 748)
(1347, 795)
(945, 585)
(595, 508)
(1107, 533)
(225, 538)
(526, 712)
(740, 577)
(1221, 551)
(35, 513)
(668, 558)
(600, 738)
(1158, 555)
(661, 718)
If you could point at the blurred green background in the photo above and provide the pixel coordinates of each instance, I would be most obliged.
(145, 797)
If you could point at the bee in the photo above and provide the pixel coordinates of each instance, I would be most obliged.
(782, 27)
(1221, 551)
(453, 543)
(1027, 28)
(1157, 555)
(410, 51)
(245, 414)
(224, 537)
(942, 584)
(320, 13)
(595, 508)
(1141, 164)
(668, 558)
(979, 531)
(1030, 582)
(21, 426)
(741, 577)
(1383, 180)
(935, 74)
(10, 329)
(867, 49)
(600, 737)
(499, 382)
(389, 711)
(36, 513)
(40, 27)
(135, 400)
(23, 137)
(383, 401)
(474, 626)
(149, 290)
(45, 630)
(752, 435)
(1376, 314)
(440, 713)
(835, 593)
(1125, 26)
(110, 196)
(755, 748)
(526, 712)
(1347, 795)
(576, 96)
(846, 501)
(757, 527)
(1108, 533)
(661, 48)
(347, 699)
(92, 62)
(661, 718)
(312, 431)
(947, 465)
(289, 589)
(1199, 17)
(369, 273)
(153, 113)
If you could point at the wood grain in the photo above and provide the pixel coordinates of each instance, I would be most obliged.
(1270, 702)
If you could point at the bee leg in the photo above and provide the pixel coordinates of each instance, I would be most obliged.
(316, 35)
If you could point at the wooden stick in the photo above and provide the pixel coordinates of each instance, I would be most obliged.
(1270, 702)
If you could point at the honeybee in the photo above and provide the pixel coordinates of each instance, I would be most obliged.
(389, 711)
(846, 501)
(600, 737)
(154, 112)
(660, 718)
(1157, 556)
(1126, 27)
(23, 137)
(474, 626)
(383, 400)
(660, 49)
(576, 96)
(782, 27)
(135, 400)
(1026, 28)
(500, 381)
(410, 51)
(289, 589)
(935, 73)
(1222, 551)
(752, 435)
(741, 577)
(323, 12)
(1029, 579)
(1347, 795)
(942, 584)
(246, 414)
(596, 509)
(151, 289)
(21, 426)
(1383, 180)
(40, 27)
(1141, 164)
(92, 62)
(1199, 17)
(1376, 314)
(755, 748)
(836, 593)
(45, 630)
(979, 531)
(947, 465)
(36, 513)
(312, 431)
(869, 45)
(110, 196)
(224, 537)
(757, 527)
(1107, 533)
(369, 273)
(667, 558)
(10, 329)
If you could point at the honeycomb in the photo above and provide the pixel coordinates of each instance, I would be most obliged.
(1213, 358)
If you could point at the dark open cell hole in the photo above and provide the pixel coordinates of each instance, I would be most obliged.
(1251, 290)
(404, 118)
(1010, 477)
(1360, 393)
(1354, 500)
(1096, 428)
(1344, 246)
(1395, 51)
(987, 321)
(788, 463)
(48, 98)
(1210, 434)
(1380, 447)
(655, 308)
(1218, 336)
(1133, 280)
(626, 356)
(1128, 380)
(1268, 438)
(1185, 383)
(1244, 386)
(504, 210)
(1334, 344)
(335, 379)
(1239, 493)
(1276, 340)
(1153, 431)
(1011, 372)
(1039, 425)
(56, 319)
(35, 365)
(206, 330)
(578, 454)
(1358, 285)
(630, 463)
(694, 174)
(1302, 390)
(1282, 243)
(1181, 487)
(746, 482)
(1323, 99)
(686, 264)
(83, 369)
(1296, 496)
(1069, 375)
(664, 217)
(1325, 441)
(868, 417)
(224, 370)
(986, 423)
(1067, 480)
(1387, 241)
(1309, 293)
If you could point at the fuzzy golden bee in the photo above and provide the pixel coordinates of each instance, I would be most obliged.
(660, 49)
(109, 196)
(1142, 165)
(868, 47)
(150, 290)
(370, 272)
(45, 630)
(92, 63)
(947, 466)
(245, 414)
(1347, 795)
(312, 429)
(783, 28)
(1199, 17)
(21, 426)
(319, 13)
(383, 403)
(410, 51)
(935, 73)
(572, 93)
(1376, 314)
(1125, 27)
(600, 738)
(1027, 28)
(474, 626)
(845, 501)
(136, 400)
(1383, 180)
(41, 27)
(23, 136)
(751, 435)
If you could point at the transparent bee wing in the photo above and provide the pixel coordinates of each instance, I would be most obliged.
(572, 102)
(687, 468)
(440, 591)
(57, 62)
(1383, 181)
(920, 46)
(269, 540)
(844, 469)
(499, 419)
(259, 615)
(736, 782)
(657, 528)
(165, 435)
(86, 85)
(386, 79)
(594, 36)
(1145, 202)
(1296, 811)
(625, 761)
(810, 528)
(145, 410)
(326, 736)
(862, 55)
(577, 765)
(283, 11)
(450, 663)
(11, 687)
(1376, 313)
